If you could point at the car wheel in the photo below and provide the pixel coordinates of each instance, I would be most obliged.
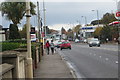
(60, 48)
(90, 46)
(70, 48)
(98, 45)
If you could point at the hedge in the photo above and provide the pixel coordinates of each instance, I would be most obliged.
(9, 46)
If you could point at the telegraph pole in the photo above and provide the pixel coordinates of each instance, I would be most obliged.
(44, 17)
(39, 32)
(98, 17)
(29, 68)
(39, 36)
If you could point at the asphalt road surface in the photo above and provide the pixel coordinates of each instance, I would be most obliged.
(93, 62)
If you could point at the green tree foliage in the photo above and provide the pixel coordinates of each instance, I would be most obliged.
(114, 32)
(97, 32)
(106, 33)
(15, 11)
(9, 46)
(23, 33)
(63, 31)
(70, 33)
(108, 18)
(76, 30)
(14, 33)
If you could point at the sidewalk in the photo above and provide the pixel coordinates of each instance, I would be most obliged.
(52, 66)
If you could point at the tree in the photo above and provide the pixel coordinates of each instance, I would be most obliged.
(76, 30)
(14, 34)
(63, 31)
(106, 33)
(15, 11)
(108, 18)
(97, 32)
(23, 33)
(70, 34)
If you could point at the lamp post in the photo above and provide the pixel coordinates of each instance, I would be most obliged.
(44, 14)
(85, 25)
(29, 68)
(85, 19)
(97, 16)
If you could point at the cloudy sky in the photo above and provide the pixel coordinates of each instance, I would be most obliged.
(67, 13)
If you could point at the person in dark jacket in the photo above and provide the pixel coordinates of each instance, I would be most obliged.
(47, 47)
(52, 47)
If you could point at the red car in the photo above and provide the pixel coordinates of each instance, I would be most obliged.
(65, 45)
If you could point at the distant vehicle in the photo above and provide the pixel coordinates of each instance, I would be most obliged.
(70, 39)
(94, 42)
(85, 40)
(65, 45)
(89, 39)
(58, 44)
(77, 40)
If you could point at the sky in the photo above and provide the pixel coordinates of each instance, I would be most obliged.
(67, 13)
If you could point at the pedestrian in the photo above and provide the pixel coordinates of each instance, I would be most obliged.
(47, 47)
(52, 47)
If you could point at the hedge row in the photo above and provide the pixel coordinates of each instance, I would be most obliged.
(17, 41)
(9, 46)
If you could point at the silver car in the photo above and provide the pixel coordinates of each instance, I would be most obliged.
(94, 42)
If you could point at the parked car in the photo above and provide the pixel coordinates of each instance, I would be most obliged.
(85, 40)
(58, 44)
(77, 40)
(94, 42)
(65, 45)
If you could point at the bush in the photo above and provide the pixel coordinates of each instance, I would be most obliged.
(9, 46)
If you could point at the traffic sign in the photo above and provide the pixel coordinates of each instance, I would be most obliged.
(118, 14)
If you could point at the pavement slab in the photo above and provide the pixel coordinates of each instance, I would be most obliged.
(52, 66)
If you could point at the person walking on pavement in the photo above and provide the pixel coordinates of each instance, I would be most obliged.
(52, 47)
(47, 47)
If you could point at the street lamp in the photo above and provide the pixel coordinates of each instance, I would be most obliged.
(85, 25)
(97, 16)
(85, 19)
(29, 68)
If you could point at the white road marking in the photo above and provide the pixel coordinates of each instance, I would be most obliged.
(100, 56)
(106, 59)
(116, 62)
(109, 49)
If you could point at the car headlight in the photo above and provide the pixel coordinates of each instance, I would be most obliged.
(97, 42)
(90, 42)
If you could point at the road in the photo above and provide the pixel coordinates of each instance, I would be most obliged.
(93, 62)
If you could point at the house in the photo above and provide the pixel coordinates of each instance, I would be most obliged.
(4, 32)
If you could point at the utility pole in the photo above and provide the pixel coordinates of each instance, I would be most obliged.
(85, 19)
(97, 16)
(39, 36)
(29, 68)
(44, 17)
(86, 26)
(39, 32)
